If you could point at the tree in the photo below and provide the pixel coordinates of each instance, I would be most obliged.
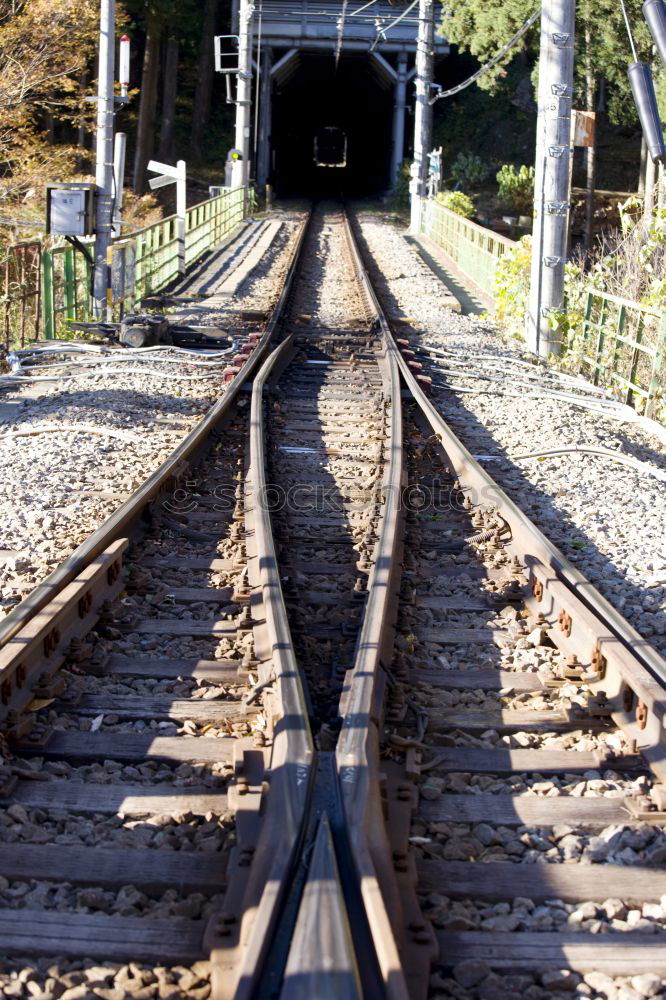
(145, 135)
(602, 46)
(44, 50)
(202, 98)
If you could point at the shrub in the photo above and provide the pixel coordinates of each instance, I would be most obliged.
(458, 202)
(401, 192)
(469, 170)
(516, 187)
(512, 287)
(512, 292)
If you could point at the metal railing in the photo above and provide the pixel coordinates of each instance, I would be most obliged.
(20, 292)
(474, 250)
(622, 346)
(66, 280)
(141, 264)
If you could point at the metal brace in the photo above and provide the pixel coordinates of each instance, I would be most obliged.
(557, 207)
(560, 39)
(558, 151)
(554, 261)
(561, 90)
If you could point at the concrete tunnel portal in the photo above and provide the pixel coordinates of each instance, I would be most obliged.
(367, 93)
(349, 96)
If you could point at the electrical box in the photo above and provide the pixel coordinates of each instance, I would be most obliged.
(70, 209)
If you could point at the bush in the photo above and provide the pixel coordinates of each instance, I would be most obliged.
(512, 287)
(516, 187)
(469, 170)
(458, 202)
(401, 192)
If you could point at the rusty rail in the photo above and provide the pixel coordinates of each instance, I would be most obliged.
(625, 669)
(117, 524)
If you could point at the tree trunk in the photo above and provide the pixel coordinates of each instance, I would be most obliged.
(591, 159)
(146, 127)
(643, 166)
(202, 98)
(169, 93)
(649, 190)
(81, 132)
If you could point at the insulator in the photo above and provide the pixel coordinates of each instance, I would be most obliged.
(642, 87)
(654, 12)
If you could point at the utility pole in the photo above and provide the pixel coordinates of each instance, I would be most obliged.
(398, 131)
(240, 169)
(104, 153)
(422, 111)
(551, 187)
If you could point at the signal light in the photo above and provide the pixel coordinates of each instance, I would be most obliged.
(654, 12)
(642, 87)
(124, 73)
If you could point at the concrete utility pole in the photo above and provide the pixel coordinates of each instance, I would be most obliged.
(399, 101)
(551, 187)
(263, 173)
(104, 152)
(240, 170)
(422, 111)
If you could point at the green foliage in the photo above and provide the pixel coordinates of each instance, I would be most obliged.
(512, 287)
(458, 202)
(469, 170)
(401, 193)
(516, 187)
(481, 28)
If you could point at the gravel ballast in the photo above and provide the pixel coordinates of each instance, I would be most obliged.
(606, 518)
(57, 487)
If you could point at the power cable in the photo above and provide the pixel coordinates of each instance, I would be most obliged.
(341, 30)
(493, 62)
(381, 32)
(364, 7)
(631, 37)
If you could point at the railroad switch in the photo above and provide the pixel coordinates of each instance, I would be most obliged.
(152, 329)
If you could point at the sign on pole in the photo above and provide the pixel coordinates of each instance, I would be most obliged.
(173, 175)
(582, 128)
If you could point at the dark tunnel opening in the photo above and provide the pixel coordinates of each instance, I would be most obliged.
(351, 97)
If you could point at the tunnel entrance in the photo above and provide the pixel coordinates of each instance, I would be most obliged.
(353, 97)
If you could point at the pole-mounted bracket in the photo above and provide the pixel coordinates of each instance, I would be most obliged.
(561, 39)
(561, 90)
(557, 207)
(558, 151)
(554, 261)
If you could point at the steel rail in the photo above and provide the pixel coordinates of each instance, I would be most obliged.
(630, 673)
(291, 771)
(357, 750)
(343, 850)
(117, 524)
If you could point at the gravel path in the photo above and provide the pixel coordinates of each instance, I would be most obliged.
(57, 487)
(606, 517)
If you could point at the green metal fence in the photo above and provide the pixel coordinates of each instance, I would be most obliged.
(622, 346)
(141, 264)
(207, 224)
(474, 250)
(66, 279)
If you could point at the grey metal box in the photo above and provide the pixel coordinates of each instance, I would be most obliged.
(70, 209)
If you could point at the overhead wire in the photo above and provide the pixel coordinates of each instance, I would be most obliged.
(381, 32)
(492, 63)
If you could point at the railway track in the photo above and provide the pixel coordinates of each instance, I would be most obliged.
(320, 712)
